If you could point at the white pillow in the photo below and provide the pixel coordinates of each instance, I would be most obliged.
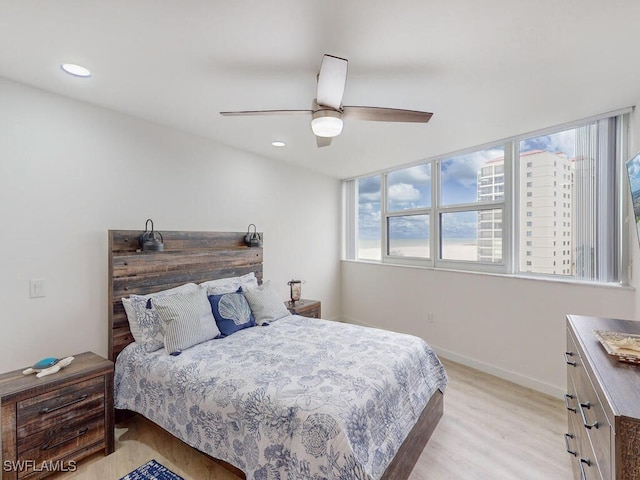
(265, 304)
(187, 320)
(144, 322)
(230, 284)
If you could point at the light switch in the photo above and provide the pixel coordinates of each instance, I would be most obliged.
(37, 288)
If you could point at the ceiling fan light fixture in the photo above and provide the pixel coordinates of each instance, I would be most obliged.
(326, 123)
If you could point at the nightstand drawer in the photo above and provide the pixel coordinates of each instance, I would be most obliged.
(305, 308)
(42, 412)
(56, 443)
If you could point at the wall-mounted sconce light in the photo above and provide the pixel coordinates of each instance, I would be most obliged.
(252, 239)
(150, 240)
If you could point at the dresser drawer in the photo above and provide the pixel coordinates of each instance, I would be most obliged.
(56, 443)
(586, 463)
(572, 445)
(61, 406)
(595, 430)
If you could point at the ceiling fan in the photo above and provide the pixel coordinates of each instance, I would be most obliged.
(327, 111)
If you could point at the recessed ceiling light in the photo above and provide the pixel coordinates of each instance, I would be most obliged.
(278, 143)
(76, 70)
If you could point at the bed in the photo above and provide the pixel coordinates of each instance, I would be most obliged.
(299, 398)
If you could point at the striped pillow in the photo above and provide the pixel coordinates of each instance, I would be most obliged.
(186, 319)
(144, 322)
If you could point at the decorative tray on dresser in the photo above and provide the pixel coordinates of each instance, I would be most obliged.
(50, 423)
(603, 402)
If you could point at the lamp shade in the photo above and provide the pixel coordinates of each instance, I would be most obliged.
(326, 123)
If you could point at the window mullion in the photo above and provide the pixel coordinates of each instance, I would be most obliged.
(435, 211)
(511, 236)
(384, 208)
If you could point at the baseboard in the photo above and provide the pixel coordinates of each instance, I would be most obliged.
(523, 380)
(355, 322)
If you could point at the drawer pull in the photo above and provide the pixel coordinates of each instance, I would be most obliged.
(48, 446)
(584, 418)
(569, 362)
(77, 400)
(568, 397)
(568, 436)
(583, 474)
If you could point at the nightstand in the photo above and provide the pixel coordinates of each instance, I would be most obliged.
(50, 423)
(305, 308)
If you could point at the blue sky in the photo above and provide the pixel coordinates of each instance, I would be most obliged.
(411, 188)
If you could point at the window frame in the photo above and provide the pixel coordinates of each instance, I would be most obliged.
(385, 214)
(510, 206)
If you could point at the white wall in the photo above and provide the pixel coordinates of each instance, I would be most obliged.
(70, 171)
(507, 326)
(511, 327)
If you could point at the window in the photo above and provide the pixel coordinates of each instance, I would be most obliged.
(587, 152)
(470, 207)
(480, 210)
(369, 236)
(408, 190)
(408, 236)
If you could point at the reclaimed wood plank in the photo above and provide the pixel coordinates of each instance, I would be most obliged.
(129, 240)
(187, 257)
(143, 263)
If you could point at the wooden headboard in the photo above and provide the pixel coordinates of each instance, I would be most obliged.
(187, 257)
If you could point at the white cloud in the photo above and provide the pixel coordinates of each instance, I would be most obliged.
(373, 197)
(403, 193)
(464, 168)
(420, 174)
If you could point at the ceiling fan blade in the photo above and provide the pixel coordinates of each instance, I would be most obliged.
(323, 141)
(331, 81)
(381, 114)
(264, 112)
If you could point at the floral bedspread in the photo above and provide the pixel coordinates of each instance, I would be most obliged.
(298, 399)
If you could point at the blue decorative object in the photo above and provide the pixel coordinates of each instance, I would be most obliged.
(47, 366)
(45, 363)
(232, 312)
(152, 470)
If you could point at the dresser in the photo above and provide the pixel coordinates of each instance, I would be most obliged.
(603, 403)
(50, 423)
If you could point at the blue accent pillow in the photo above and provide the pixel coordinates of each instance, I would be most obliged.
(232, 312)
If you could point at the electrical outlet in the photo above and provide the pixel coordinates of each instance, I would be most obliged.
(37, 288)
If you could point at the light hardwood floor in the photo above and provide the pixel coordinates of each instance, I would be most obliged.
(491, 429)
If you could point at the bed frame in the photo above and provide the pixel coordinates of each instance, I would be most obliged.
(201, 256)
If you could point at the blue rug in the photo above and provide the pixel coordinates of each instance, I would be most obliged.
(152, 470)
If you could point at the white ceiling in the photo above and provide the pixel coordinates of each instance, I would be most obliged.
(486, 69)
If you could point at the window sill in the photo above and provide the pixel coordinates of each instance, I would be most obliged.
(514, 276)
